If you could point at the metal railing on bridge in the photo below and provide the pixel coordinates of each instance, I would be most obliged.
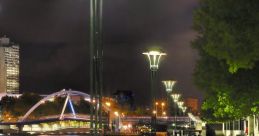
(160, 118)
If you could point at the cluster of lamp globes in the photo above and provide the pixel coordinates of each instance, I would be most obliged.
(169, 84)
(154, 59)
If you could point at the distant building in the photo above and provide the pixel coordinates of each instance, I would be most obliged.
(192, 104)
(125, 98)
(9, 66)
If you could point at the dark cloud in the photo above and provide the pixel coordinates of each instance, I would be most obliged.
(54, 39)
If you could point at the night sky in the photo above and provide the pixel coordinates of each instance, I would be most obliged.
(54, 41)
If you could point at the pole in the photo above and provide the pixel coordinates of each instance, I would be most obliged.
(156, 109)
(153, 97)
(168, 105)
(153, 87)
(91, 64)
(96, 63)
(100, 60)
(175, 114)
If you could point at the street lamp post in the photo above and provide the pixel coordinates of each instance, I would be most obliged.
(96, 64)
(162, 105)
(108, 104)
(184, 110)
(175, 97)
(169, 84)
(180, 106)
(156, 108)
(154, 59)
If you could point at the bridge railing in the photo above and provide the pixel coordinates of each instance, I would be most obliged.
(160, 118)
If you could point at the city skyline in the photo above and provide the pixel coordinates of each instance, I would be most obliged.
(54, 44)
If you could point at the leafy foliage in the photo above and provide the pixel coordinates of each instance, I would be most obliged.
(229, 29)
(227, 96)
(228, 69)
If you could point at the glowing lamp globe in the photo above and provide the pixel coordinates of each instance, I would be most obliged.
(176, 97)
(184, 109)
(180, 104)
(154, 58)
(169, 84)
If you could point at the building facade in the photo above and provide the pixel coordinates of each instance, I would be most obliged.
(192, 104)
(9, 66)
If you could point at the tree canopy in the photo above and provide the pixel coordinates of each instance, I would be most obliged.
(228, 68)
(229, 30)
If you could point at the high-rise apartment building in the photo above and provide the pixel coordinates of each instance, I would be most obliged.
(9, 66)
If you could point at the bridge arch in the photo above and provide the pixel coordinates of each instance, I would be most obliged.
(58, 94)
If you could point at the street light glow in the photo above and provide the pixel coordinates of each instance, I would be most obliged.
(116, 113)
(169, 84)
(176, 97)
(154, 58)
(184, 109)
(163, 104)
(108, 104)
(180, 104)
(164, 113)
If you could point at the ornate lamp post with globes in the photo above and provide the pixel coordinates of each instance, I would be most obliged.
(169, 84)
(176, 98)
(154, 59)
(184, 110)
(180, 106)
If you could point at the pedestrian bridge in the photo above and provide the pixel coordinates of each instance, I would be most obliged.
(73, 120)
(62, 93)
(59, 121)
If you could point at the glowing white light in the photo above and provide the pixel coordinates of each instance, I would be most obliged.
(180, 104)
(154, 58)
(51, 99)
(154, 112)
(184, 108)
(176, 97)
(169, 84)
(108, 104)
(116, 113)
(87, 99)
(164, 113)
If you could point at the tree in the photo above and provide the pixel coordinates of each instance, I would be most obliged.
(8, 108)
(227, 96)
(228, 69)
(229, 31)
(25, 102)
